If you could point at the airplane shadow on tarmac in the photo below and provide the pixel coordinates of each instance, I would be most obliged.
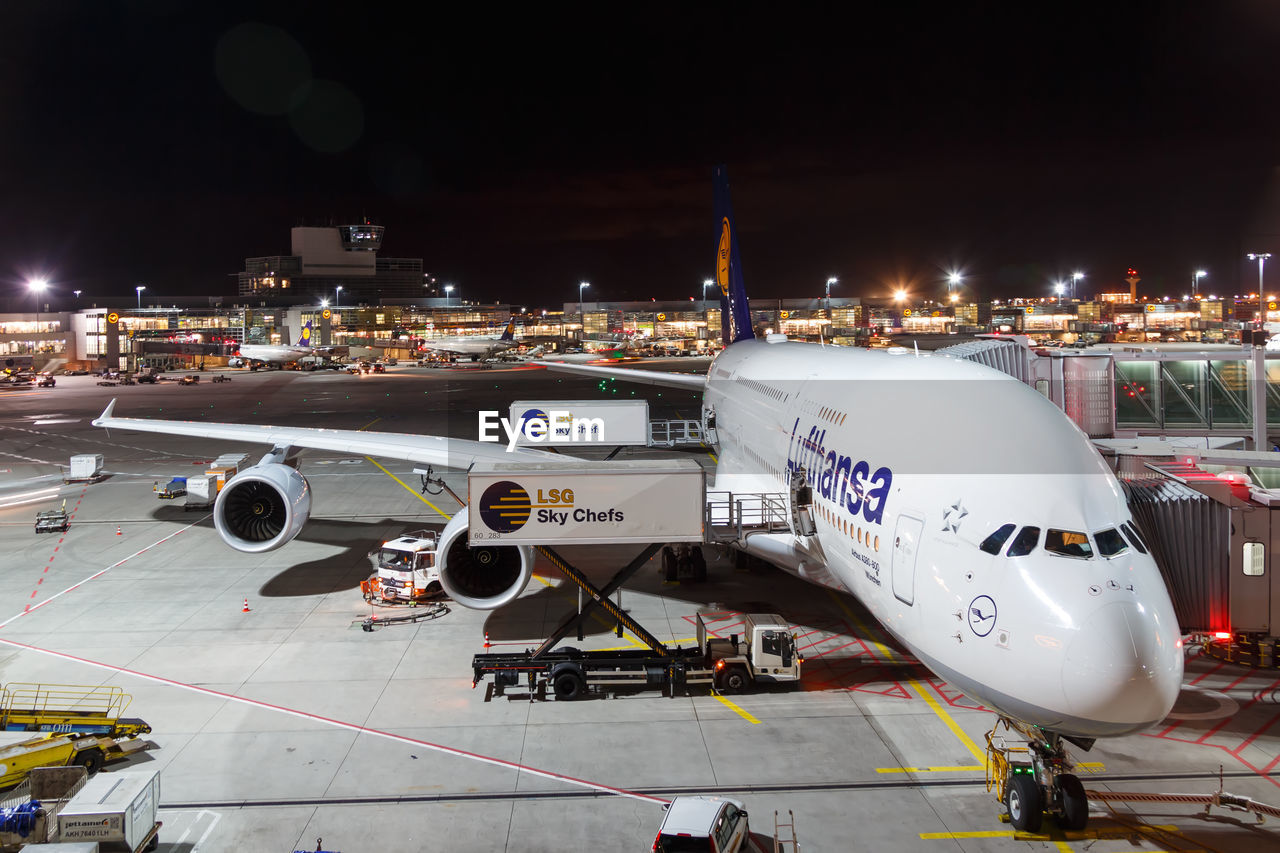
(333, 572)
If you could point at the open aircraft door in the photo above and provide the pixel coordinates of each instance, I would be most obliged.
(906, 544)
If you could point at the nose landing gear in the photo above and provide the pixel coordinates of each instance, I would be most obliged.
(1034, 780)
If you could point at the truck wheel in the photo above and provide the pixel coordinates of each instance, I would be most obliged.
(569, 684)
(734, 681)
(90, 759)
(1024, 803)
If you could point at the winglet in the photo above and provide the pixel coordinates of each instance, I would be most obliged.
(103, 418)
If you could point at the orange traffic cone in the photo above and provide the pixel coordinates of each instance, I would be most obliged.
(118, 532)
(246, 606)
(486, 640)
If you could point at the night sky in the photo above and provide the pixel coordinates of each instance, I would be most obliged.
(519, 151)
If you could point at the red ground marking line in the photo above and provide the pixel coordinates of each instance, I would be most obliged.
(1254, 736)
(819, 655)
(1236, 682)
(1248, 704)
(1261, 773)
(30, 609)
(448, 750)
(1220, 665)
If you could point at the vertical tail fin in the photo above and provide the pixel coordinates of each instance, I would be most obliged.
(509, 333)
(735, 311)
(305, 340)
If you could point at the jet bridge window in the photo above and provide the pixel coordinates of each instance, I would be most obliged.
(1110, 542)
(1068, 543)
(1025, 542)
(1131, 533)
(993, 543)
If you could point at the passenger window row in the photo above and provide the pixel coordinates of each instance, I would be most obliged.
(1065, 543)
(852, 530)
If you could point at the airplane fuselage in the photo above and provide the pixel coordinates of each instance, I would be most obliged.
(914, 461)
(470, 346)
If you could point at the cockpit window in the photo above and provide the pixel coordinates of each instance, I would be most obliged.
(1110, 542)
(1068, 543)
(1025, 542)
(993, 543)
(1132, 533)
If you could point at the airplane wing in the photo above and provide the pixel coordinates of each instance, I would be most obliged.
(421, 449)
(688, 381)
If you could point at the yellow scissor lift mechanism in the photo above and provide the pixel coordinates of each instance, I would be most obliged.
(1034, 780)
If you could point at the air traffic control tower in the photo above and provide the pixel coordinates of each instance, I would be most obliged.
(326, 259)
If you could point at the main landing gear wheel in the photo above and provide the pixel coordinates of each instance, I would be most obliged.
(1024, 803)
(1074, 803)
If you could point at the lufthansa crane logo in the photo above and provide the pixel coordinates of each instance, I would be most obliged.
(113, 318)
(982, 615)
(505, 506)
(306, 333)
(326, 313)
(722, 257)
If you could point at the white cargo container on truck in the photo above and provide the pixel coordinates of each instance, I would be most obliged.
(608, 422)
(578, 503)
(116, 810)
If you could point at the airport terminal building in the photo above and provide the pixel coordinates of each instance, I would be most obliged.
(335, 263)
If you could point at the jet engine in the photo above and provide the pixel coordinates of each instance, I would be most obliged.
(262, 507)
(482, 577)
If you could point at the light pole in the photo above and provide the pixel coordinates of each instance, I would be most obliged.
(1075, 278)
(581, 287)
(1261, 258)
(706, 282)
(953, 283)
(37, 286)
(1058, 288)
(77, 293)
(448, 288)
(1195, 281)
(337, 296)
(830, 281)
(139, 289)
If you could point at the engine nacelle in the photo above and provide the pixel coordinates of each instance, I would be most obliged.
(483, 577)
(262, 507)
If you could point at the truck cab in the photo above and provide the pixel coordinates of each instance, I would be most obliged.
(766, 653)
(406, 567)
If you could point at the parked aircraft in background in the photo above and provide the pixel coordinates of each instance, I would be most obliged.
(477, 347)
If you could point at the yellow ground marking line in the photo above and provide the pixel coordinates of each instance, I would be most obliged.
(409, 489)
(1102, 833)
(933, 704)
(1091, 766)
(735, 708)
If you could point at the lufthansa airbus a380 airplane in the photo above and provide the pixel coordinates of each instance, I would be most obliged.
(968, 514)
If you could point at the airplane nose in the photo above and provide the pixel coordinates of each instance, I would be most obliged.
(1123, 671)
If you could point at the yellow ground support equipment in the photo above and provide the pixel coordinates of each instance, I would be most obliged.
(68, 709)
(55, 750)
